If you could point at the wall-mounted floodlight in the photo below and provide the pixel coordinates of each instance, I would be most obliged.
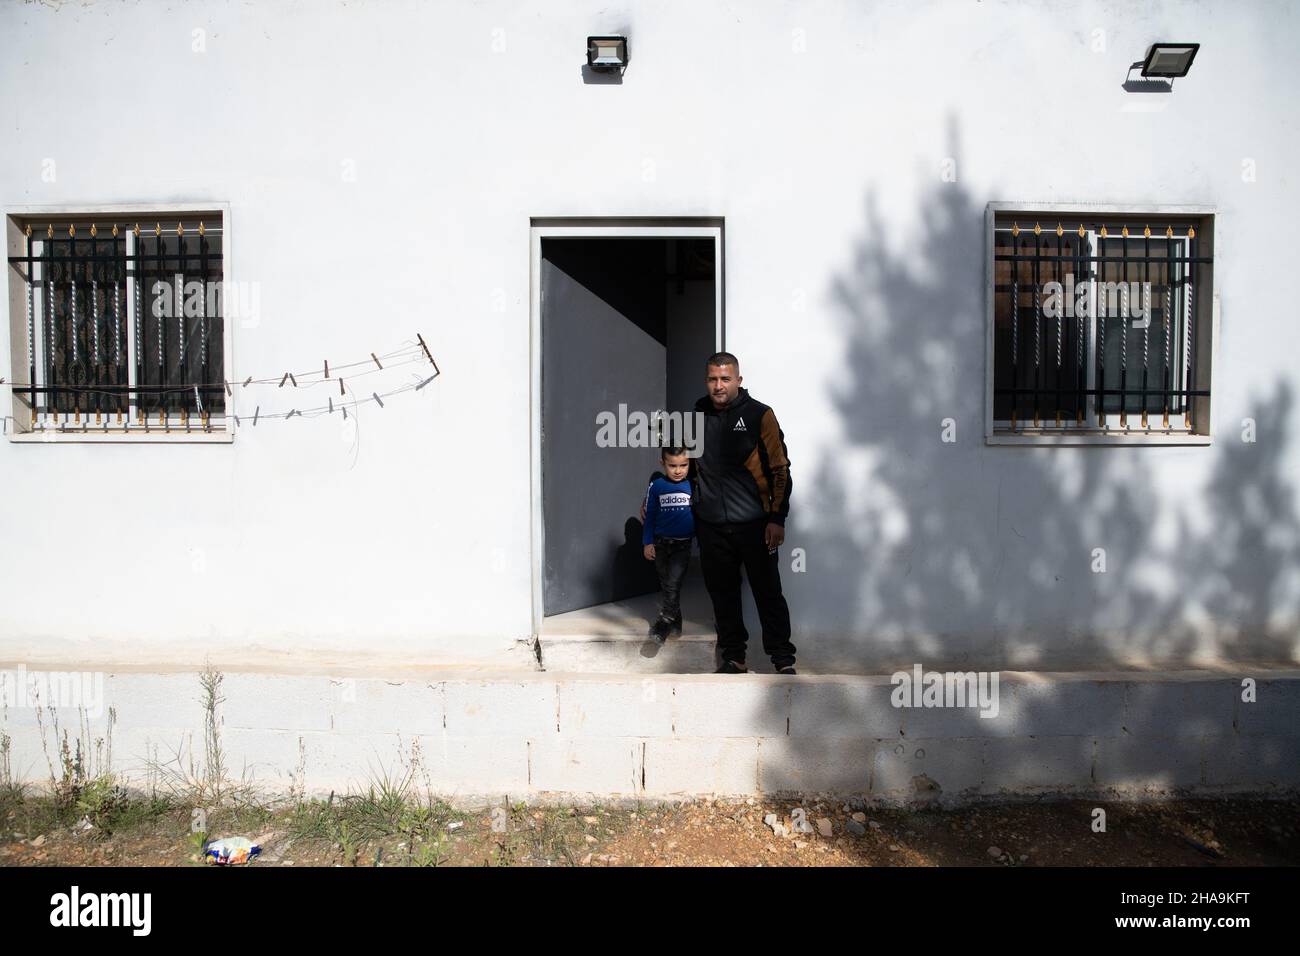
(607, 54)
(1168, 60)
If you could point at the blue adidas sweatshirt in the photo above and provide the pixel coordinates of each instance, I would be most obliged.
(668, 510)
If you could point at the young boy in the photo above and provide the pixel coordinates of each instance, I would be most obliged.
(666, 536)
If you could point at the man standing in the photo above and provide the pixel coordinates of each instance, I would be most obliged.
(742, 498)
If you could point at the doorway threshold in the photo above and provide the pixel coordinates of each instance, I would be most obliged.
(613, 638)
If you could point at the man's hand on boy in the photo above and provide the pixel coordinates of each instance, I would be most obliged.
(774, 535)
(649, 552)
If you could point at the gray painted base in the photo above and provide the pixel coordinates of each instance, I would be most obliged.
(546, 735)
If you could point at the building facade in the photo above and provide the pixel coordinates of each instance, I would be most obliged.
(830, 186)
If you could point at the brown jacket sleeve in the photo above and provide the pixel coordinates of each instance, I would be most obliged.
(776, 467)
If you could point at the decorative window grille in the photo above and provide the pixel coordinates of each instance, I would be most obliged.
(124, 328)
(1101, 326)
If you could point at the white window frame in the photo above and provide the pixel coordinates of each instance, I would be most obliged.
(1206, 304)
(20, 430)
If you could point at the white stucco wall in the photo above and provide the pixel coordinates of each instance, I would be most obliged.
(852, 269)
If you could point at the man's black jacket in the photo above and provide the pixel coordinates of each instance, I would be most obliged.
(743, 473)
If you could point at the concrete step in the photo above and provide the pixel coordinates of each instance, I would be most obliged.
(613, 638)
(628, 654)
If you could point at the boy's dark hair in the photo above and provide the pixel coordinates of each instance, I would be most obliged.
(723, 358)
(671, 450)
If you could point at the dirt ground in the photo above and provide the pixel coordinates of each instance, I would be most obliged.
(1225, 832)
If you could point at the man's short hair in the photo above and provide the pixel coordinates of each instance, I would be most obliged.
(723, 358)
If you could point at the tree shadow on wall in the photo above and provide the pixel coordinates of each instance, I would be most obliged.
(961, 553)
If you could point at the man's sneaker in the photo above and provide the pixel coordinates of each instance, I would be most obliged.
(677, 625)
(788, 669)
(659, 630)
(731, 667)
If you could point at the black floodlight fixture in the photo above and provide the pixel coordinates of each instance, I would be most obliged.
(1168, 60)
(607, 54)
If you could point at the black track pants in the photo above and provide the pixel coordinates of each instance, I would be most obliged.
(724, 550)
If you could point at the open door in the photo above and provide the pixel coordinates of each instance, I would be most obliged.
(624, 323)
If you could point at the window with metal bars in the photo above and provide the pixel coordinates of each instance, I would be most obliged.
(1101, 326)
(124, 329)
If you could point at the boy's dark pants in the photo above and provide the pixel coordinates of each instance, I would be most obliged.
(724, 549)
(672, 555)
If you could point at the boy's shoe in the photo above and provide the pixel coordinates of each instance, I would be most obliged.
(677, 625)
(788, 669)
(660, 629)
(731, 667)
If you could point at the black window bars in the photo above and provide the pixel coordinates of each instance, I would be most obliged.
(123, 324)
(1096, 319)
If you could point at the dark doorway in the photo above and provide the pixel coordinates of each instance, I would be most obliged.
(625, 322)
